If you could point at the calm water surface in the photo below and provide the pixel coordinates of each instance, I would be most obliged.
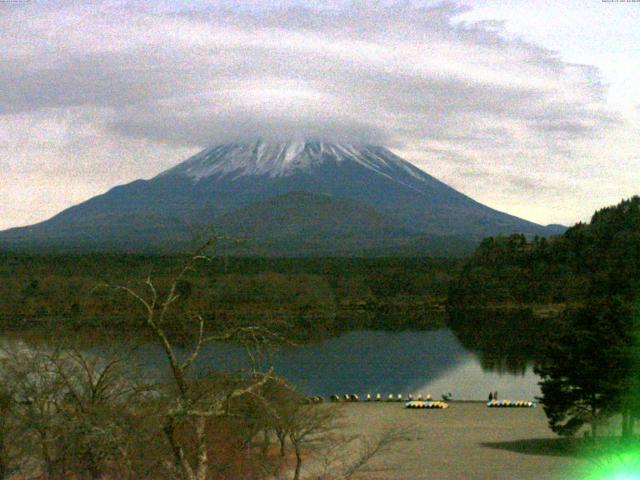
(373, 361)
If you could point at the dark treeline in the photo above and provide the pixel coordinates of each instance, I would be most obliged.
(601, 257)
(310, 297)
(569, 306)
(511, 271)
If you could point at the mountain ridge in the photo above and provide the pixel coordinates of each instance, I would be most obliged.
(354, 183)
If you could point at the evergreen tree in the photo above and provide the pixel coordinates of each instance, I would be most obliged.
(590, 365)
(630, 397)
(587, 366)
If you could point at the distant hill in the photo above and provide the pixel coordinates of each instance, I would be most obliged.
(294, 198)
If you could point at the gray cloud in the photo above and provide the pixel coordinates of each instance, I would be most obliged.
(198, 76)
(173, 79)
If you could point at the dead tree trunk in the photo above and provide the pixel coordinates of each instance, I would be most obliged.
(296, 473)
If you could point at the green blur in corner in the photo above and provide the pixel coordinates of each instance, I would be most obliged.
(623, 464)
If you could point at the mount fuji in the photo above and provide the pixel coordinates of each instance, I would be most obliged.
(287, 198)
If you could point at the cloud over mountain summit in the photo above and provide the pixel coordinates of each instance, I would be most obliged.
(132, 86)
(196, 77)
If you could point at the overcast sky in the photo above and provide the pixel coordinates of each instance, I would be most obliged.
(532, 108)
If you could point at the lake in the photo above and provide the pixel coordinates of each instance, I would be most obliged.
(370, 361)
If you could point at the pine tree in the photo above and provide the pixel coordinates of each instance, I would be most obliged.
(587, 366)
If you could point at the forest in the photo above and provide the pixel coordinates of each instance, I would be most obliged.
(601, 257)
(305, 298)
(569, 306)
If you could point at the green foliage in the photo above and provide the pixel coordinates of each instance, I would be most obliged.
(589, 355)
(600, 258)
(586, 365)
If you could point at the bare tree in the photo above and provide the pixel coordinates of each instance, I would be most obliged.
(9, 430)
(281, 406)
(6, 405)
(345, 457)
(192, 408)
(35, 397)
(309, 428)
(69, 411)
(100, 404)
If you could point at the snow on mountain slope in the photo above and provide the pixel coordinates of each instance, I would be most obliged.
(314, 196)
(286, 158)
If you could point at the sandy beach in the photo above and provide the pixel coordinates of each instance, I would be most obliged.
(466, 441)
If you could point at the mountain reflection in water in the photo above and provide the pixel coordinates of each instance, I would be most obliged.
(374, 361)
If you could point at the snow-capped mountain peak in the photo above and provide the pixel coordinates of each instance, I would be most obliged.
(281, 159)
(290, 198)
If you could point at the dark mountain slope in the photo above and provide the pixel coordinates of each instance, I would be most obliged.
(330, 197)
